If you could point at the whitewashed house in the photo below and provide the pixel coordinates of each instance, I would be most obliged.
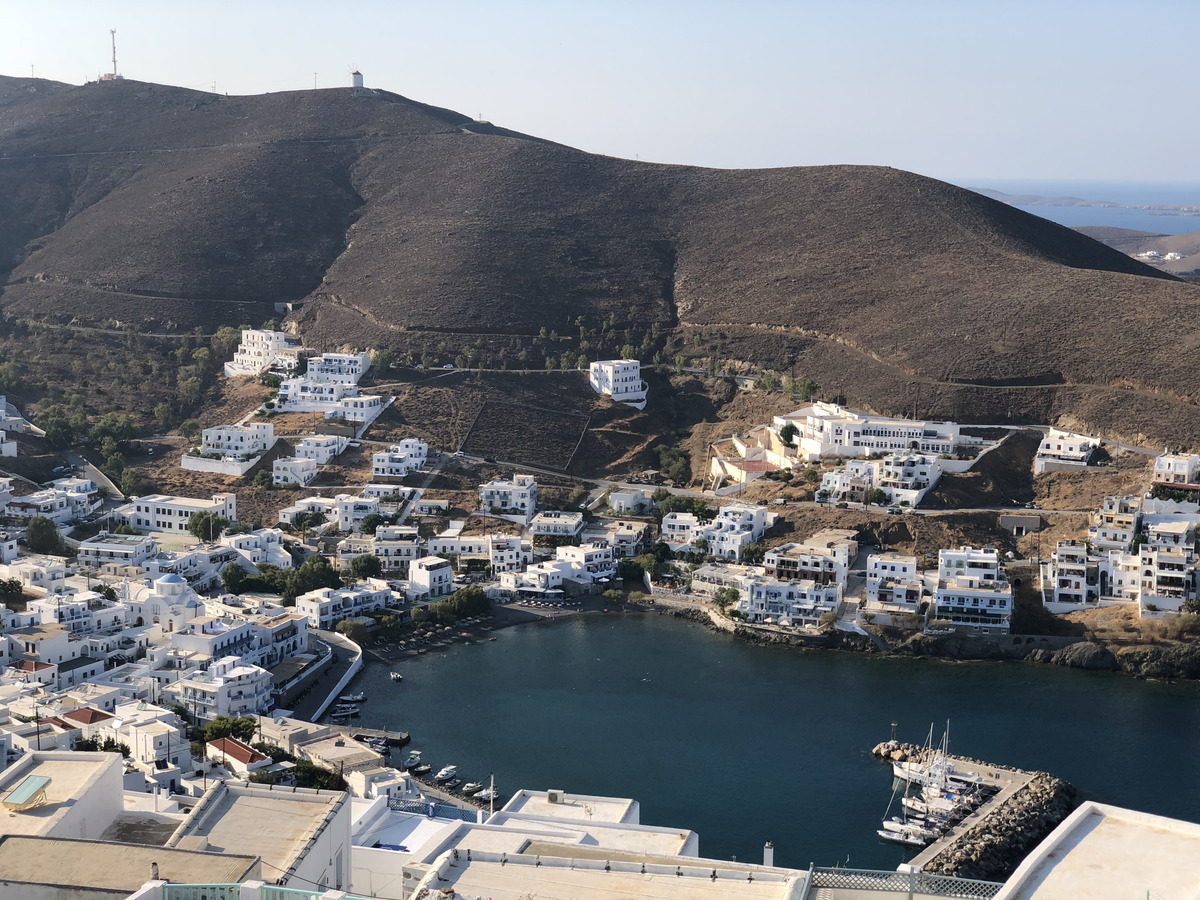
(894, 588)
(516, 499)
(431, 576)
(827, 429)
(351, 510)
(769, 601)
(399, 459)
(590, 563)
(258, 351)
(973, 592)
(293, 470)
(343, 368)
(1064, 451)
(324, 506)
(557, 523)
(227, 688)
(116, 550)
(325, 607)
(321, 448)
(1177, 468)
(824, 557)
(163, 512)
(620, 379)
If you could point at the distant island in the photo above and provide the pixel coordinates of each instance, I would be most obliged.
(1159, 209)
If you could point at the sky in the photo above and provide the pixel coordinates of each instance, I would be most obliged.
(969, 91)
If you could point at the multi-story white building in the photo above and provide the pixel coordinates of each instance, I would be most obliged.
(38, 574)
(358, 409)
(398, 460)
(734, 527)
(263, 545)
(1072, 576)
(1166, 577)
(517, 498)
(973, 593)
(894, 586)
(321, 448)
(344, 368)
(395, 546)
(116, 549)
(590, 563)
(227, 688)
(325, 607)
(257, 351)
(679, 528)
(208, 638)
(1177, 468)
(309, 395)
(557, 523)
(907, 477)
(238, 441)
(351, 510)
(50, 504)
(293, 470)
(1064, 451)
(824, 558)
(163, 512)
(1113, 526)
(772, 602)
(431, 576)
(324, 506)
(620, 379)
(827, 429)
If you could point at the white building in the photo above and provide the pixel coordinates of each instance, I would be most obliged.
(973, 592)
(432, 576)
(238, 441)
(1177, 468)
(309, 395)
(344, 368)
(162, 512)
(907, 477)
(352, 510)
(827, 429)
(726, 536)
(557, 523)
(398, 460)
(321, 448)
(590, 563)
(258, 547)
(116, 549)
(515, 499)
(894, 587)
(620, 379)
(1064, 451)
(630, 500)
(257, 352)
(50, 504)
(395, 546)
(324, 506)
(293, 470)
(1113, 526)
(325, 607)
(825, 557)
(358, 409)
(796, 603)
(227, 688)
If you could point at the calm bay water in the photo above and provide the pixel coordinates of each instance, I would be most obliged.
(745, 744)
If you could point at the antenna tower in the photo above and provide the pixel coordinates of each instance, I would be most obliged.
(113, 32)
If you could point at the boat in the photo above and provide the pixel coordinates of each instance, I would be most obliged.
(897, 838)
(396, 676)
(487, 794)
(446, 773)
(452, 783)
(472, 787)
(413, 760)
(422, 769)
(345, 709)
(353, 698)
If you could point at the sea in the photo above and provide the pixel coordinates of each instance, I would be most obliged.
(1131, 194)
(746, 744)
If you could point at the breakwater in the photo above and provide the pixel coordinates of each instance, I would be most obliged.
(991, 842)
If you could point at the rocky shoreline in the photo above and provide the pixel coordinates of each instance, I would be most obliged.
(1166, 661)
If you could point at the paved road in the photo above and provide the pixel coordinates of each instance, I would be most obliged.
(320, 689)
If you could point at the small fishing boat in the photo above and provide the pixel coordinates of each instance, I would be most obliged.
(345, 709)
(413, 760)
(396, 676)
(422, 769)
(353, 698)
(472, 787)
(446, 773)
(452, 783)
(898, 838)
(488, 794)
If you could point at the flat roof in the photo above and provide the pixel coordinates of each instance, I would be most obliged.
(71, 775)
(573, 807)
(634, 840)
(1103, 852)
(114, 866)
(274, 824)
(563, 879)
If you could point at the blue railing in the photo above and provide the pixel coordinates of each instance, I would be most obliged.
(201, 891)
(275, 892)
(431, 809)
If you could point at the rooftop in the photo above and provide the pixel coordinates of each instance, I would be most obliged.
(72, 775)
(274, 824)
(97, 865)
(573, 807)
(1103, 852)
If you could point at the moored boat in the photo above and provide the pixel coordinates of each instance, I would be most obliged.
(353, 698)
(898, 838)
(446, 773)
(472, 787)
(413, 760)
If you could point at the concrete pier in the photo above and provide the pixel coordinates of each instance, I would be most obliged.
(1009, 781)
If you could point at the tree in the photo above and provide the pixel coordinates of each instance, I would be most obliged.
(752, 554)
(11, 587)
(726, 597)
(242, 728)
(383, 360)
(264, 480)
(233, 578)
(189, 428)
(879, 497)
(163, 414)
(371, 522)
(207, 526)
(353, 629)
(788, 432)
(767, 381)
(131, 483)
(41, 536)
(366, 566)
(701, 544)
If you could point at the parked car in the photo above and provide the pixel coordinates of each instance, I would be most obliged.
(893, 510)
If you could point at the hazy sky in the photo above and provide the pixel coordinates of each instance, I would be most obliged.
(968, 90)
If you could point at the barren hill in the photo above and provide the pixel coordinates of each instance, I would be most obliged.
(403, 225)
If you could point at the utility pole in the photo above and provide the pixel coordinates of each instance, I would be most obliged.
(314, 81)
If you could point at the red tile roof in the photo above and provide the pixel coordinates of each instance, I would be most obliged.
(234, 748)
(87, 715)
(31, 665)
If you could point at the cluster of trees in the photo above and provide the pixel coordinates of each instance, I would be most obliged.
(41, 536)
(242, 728)
(108, 745)
(681, 503)
(674, 464)
(316, 572)
(462, 604)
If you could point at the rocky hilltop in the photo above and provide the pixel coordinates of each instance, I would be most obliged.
(396, 224)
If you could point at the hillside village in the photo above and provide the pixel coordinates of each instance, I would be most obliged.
(167, 629)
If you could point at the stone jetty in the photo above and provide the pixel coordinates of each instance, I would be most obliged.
(991, 842)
